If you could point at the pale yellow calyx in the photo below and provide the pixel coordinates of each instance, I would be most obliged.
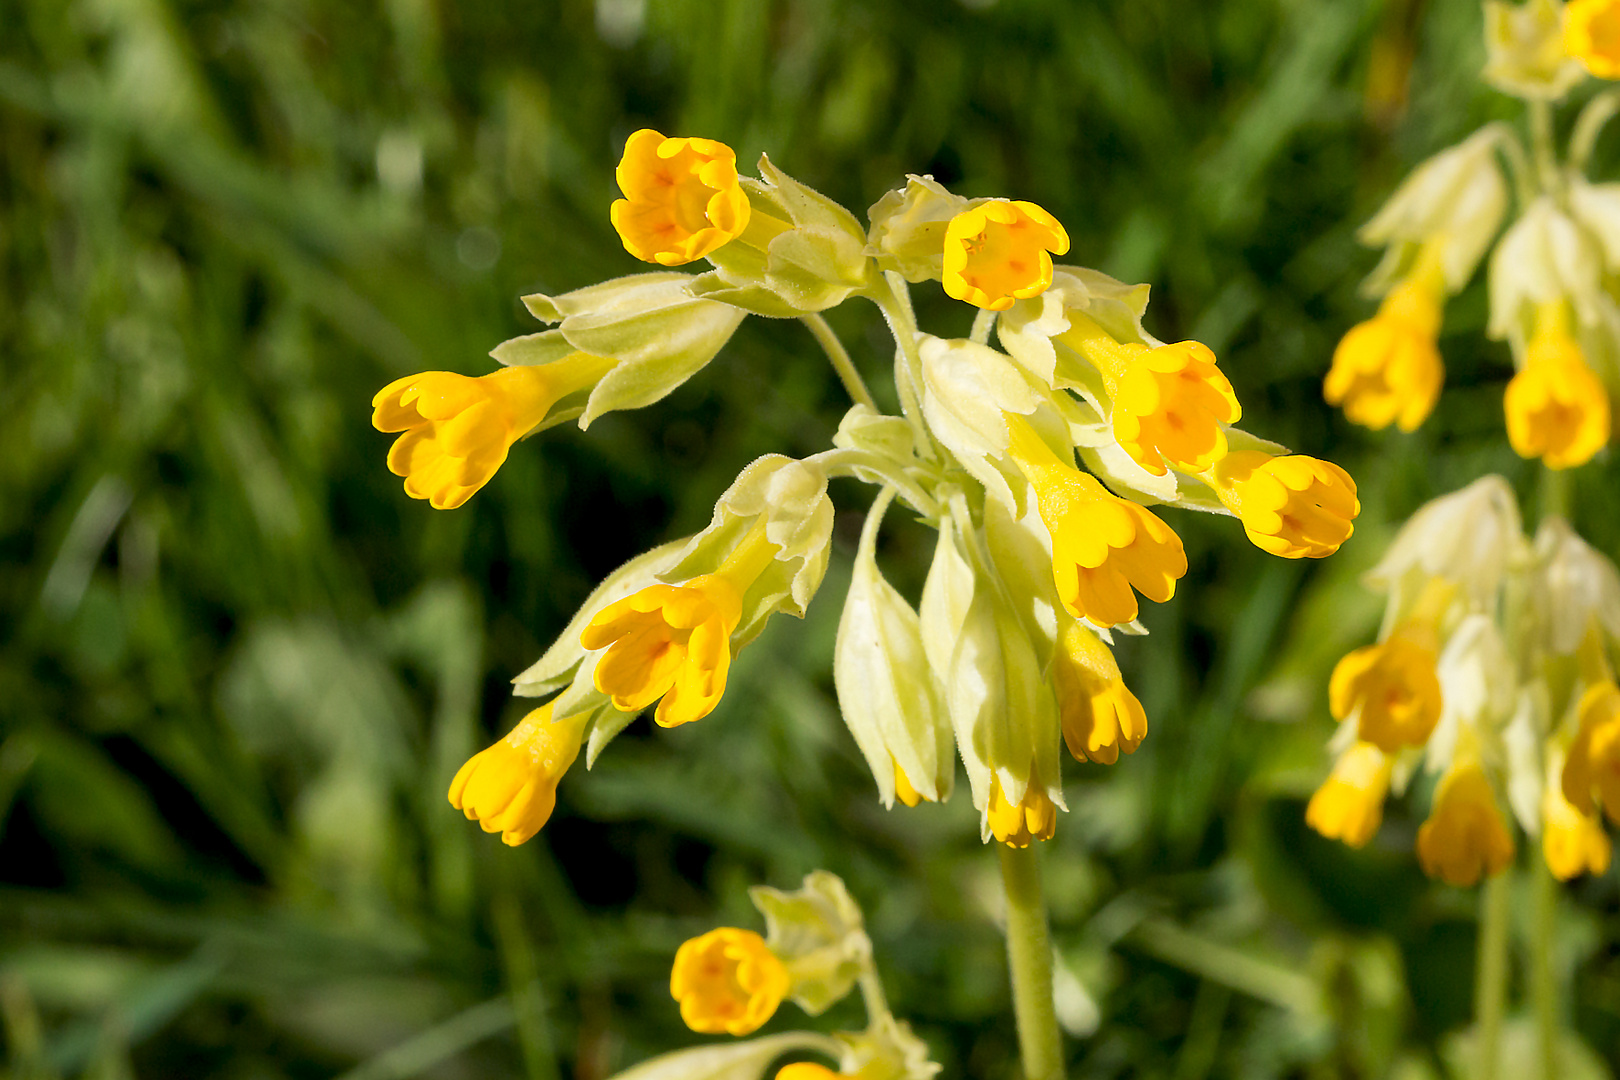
(1573, 843)
(1294, 506)
(458, 429)
(1387, 370)
(1392, 687)
(511, 787)
(1099, 714)
(1000, 251)
(728, 982)
(1592, 35)
(682, 198)
(1349, 806)
(1034, 817)
(1465, 837)
(1593, 766)
(1557, 409)
(672, 643)
(1103, 546)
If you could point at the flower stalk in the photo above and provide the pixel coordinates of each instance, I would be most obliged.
(1029, 958)
(1490, 976)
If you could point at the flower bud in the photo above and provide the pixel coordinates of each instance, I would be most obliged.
(1099, 714)
(1293, 506)
(511, 788)
(818, 933)
(908, 228)
(1349, 806)
(1525, 51)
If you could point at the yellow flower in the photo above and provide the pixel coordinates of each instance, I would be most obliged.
(1592, 35)
(511, 788)
(1102, 546)
(673, 642)
(682, 198)
(1099, 714)
(1465, 836)
(1293, 506)
(1349, 805)
(1394, 685)
(1594, 757)
(1387, 370)
(1034, 818)
(728, 982)
(1001, 251)
(903, 787)
(1557, 409)
(1573, 843)
(806, 1070)
(458, 429)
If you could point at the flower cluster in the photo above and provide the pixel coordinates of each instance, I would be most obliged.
(1036, 462)
(1492, 672)
(1552, 271)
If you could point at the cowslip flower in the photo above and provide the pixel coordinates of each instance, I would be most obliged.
(1392, 687)
(1000, 251)
(1593, 766)
(1103, 546)
(806, 1070)
(682, 198)
(1572, 842)
(1465, 836)
(1557, 409)
(1387, 370)
(1349, 806)
(1034, 817)
(457, 429)
(1099, 714)
(1592, 35)
(1293, 506)
(511, 787)
(672, 643)
(727, 981)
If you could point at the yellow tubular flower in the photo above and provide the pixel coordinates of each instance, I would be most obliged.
(1034, 818)
(1593, 766)
(1387, 370)
(1394, 685)
(673, 642)
(903, 788)
(1573, 843)
(806, 1070)
(1294, 506)
(1557, 409)
(1001, 251)
(511, 788)
(1349, 806)
(1592, 35)
(728, 982)
(682, 198)
(1099, 714)
(1102, 546)
(458, 429)
(1465, 836)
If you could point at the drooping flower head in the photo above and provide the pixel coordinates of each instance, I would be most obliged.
(1465, 836)
(1099, 714)
(458, 429)
(1593, 768)
(1557, 409)
(727, 981)
(1034, 817)
(1572, 842)
(682, 198)
(1293, 506)
(511, 788)
(1001, 251)
(1387, 370)
(1592, 35)
(1349, 806)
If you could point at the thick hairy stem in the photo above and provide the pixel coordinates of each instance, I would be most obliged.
(1029, 958)
(1490, 975)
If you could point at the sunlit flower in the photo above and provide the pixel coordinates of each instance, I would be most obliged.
(1001, 251)
(1465, 836)
(1034, 817)
(1168, 408)
(1592, 35)
(458, 429)
(1392, 686)
(511, 788)
(1349, 806)
(1573, 843)
(1593, 767)
(806, 1070)
(1557, 409)
(1099, 714)
(904, 790)
(1387, 370)
(1293, 506)
(682, 198)
(728, 982)
(1103, 546)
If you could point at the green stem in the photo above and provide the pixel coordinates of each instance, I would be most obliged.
(983, 322)
(893, 300)
(1490, 975)
(1543, 987)
(1555, 493)
(1029, 958)
(1541, 146)
(854, 385)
